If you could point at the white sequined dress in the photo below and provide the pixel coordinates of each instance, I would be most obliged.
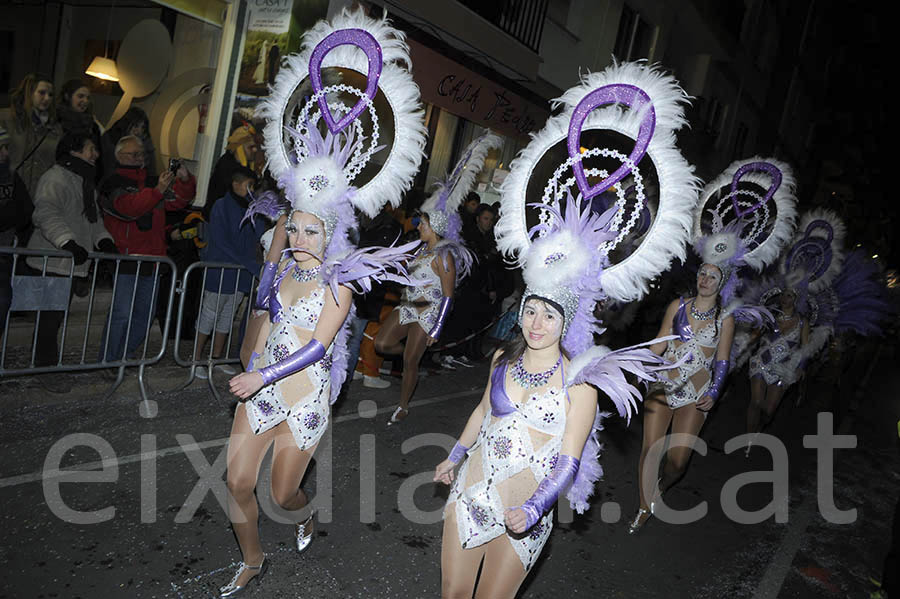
(302, 399)
(422, 303)
(517, 447)
(772, 359)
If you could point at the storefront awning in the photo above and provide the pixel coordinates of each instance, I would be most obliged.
(209, 11)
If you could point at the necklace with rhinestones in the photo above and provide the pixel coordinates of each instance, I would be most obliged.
(530, 380)
(305, 276)
(702, 315)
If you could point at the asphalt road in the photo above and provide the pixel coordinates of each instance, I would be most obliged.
(164, 534)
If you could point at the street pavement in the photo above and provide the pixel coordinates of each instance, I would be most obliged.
(163, 534)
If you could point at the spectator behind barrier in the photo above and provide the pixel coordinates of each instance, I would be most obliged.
(9, 222)
(135, 204)
(75, 113)
(232, 241)
(33, 131)
(66, 217)
(239, 153)
(133, 122)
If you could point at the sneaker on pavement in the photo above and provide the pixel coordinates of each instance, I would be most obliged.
(201, 373)
(228, 369)
(448, 363)
(357, 375)
(374, 382)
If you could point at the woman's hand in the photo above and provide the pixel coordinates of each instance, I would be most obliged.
(705, 403)
(444, 472)
(430, 341)
(246, 384)
(515, 520)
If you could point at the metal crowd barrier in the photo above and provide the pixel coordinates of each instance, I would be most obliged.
(237, 326)
(40, 291)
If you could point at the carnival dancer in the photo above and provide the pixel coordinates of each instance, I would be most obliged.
(534, 431)
(298, 369)
(704, 324)
(816, 294)
(442, 263)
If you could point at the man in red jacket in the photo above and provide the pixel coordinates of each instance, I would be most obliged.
(135, 208)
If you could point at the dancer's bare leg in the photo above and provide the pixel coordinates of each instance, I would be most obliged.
(774, 393)
(459, 566)
(503, 573)
(416, 344)
(685, 420)
(389, 339)
(245, 454)
(657, 417)
(757, 404)
(289, 464)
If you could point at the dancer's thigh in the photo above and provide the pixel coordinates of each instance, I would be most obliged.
(459, 566)
(503, 572)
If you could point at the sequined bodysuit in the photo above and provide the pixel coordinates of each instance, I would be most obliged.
(688, 383)
(301, 399)
(422, 303)
(772, 359)
(516, 448)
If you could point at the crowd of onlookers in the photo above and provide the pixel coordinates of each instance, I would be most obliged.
(68, 184)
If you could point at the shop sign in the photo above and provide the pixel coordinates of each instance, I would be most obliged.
(270, 16)
(454, 88)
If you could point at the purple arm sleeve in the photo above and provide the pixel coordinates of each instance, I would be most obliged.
(457, 453)
(681, 326)
(265, 285)
(720, 371)
(443, 313)
(550, 488)
(297, 361)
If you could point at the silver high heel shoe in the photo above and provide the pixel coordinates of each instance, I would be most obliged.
(398, 416)
(304, 532)
(644, 514)
(233, 589)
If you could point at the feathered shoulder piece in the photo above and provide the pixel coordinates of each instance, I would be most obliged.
(449, 193)
(745, 217)
(324, 113)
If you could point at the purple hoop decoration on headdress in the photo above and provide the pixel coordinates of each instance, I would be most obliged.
(629, 95)
(814, 252)
(367, 43)
(764, 167)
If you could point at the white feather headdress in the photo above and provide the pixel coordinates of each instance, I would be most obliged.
(566, 257)
(450, 192)
(626, 280)
(338, 43)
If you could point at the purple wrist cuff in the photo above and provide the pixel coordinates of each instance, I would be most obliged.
(457, 453)
(297, 361)
(550, 488)
(681, 326)
(443, 312)
(720, 371)
(265, 285)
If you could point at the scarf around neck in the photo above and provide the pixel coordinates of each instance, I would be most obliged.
(86, 171)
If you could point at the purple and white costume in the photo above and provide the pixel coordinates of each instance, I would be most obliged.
(303, 397)
(691, 380)
(772, 360)
(517, 460)
(421, 303)
(517, 447)
(316, 149)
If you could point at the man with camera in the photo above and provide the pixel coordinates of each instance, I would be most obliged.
(134, 207)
